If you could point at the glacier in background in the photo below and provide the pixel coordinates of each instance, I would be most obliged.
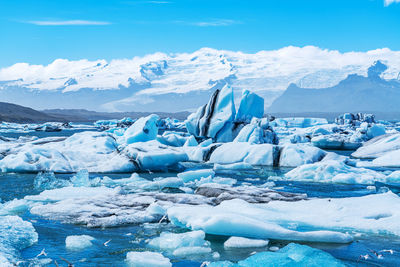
(150, 82)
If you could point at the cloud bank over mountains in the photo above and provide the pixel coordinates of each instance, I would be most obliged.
(148, 83)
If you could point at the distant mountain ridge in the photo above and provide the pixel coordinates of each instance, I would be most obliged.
(15, 113)
(354, 94)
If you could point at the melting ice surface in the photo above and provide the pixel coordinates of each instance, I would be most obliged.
(230, 189)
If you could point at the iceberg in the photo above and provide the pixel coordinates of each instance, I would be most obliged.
(144, 129)
(147, 259)
(251, 106)
(215, 117)
(218, 119)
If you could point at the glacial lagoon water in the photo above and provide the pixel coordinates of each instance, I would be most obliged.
(123, 239)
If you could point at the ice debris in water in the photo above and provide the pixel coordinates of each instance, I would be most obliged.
(147, 259)
(189, 176)
(78, 242)
(182, 244)
(81, 178)
(47, 180)
(291, 255)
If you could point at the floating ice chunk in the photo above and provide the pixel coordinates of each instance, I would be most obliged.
(144, 129)
(394, 177)
(234, 152)
(335, 141)
(241, 242)
(171, 138)
(15, 235)
(78, 242)
(81, 179)
(291, 255)
(293, 155)
(182, 245)
(332, 171)
(299, 122)
(171, 241)
(189, 176)
(234, 166)
(189, 251)
(147, 259)
(161, 183)
(375, 130)
(47, 180)
(85, 150)
(254, 134)
(390, 159)
(153, 155)
(378, 146)
(376, 213)
(70, 193)
(251, 194)
(239, 218)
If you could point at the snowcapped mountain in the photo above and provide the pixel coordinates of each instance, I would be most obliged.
(174, 82)
(356, 93)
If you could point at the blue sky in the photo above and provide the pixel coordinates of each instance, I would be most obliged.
(39, 31)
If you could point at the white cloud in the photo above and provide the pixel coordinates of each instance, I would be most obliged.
(215, 23)
(389, 2)
(209, 23)
(67, 22)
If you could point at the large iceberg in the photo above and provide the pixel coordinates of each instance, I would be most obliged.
(218, 119)
(251, 106)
